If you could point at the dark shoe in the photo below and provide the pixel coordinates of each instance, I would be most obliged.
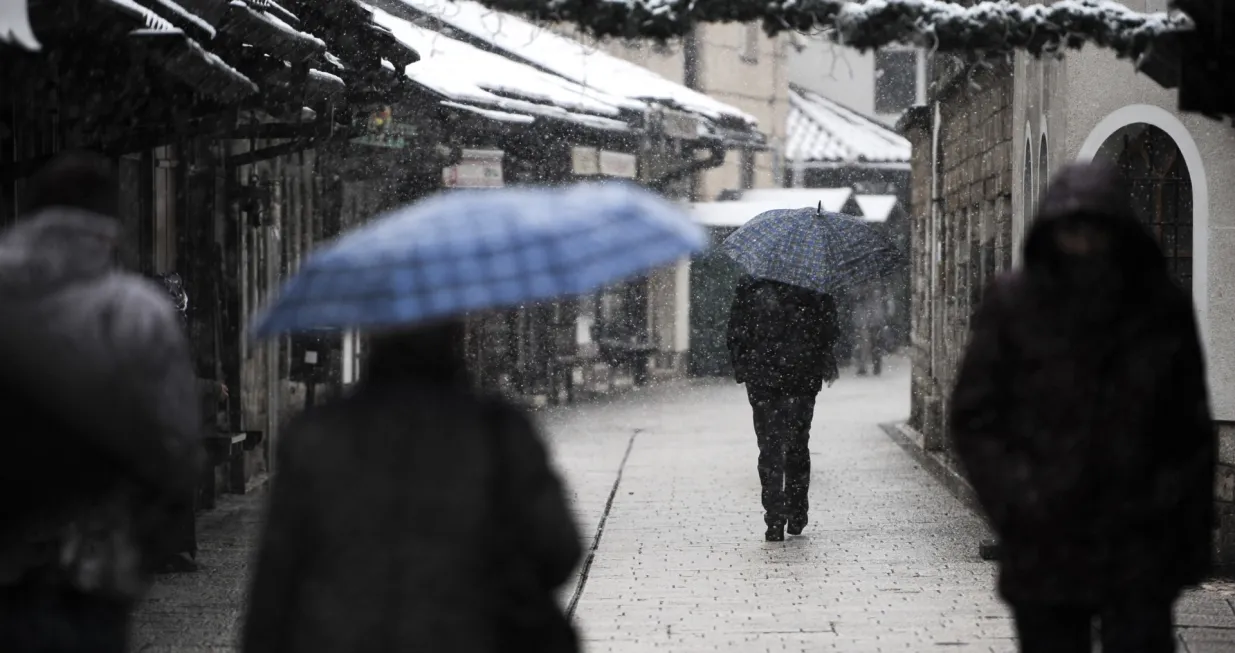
(776, 533)
(797, 524)
(181, 563)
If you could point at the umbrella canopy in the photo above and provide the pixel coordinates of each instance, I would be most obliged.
(474, 250)
(812, 248)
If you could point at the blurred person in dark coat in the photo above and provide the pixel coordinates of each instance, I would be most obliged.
(413, 515)
(1081, 417)
(98, 394)
(780, 342)
(870, 319)
(211, 394)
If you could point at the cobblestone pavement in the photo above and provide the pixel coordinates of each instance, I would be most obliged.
(201, 612)
(664, 487)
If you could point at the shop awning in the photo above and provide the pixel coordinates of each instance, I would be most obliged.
(731, 214)
(736, 213)
(183, 58)
(876, 208)
(833, 199)
(256, 25)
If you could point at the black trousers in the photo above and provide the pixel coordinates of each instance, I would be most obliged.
(1136, 624)
(782, 429)
(45, 620)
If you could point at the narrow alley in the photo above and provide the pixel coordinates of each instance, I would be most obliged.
(665, 489)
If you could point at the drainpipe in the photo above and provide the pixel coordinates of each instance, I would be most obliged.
(690, 59)
(691, 79)
(932, 431)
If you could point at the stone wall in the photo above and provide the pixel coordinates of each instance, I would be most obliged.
(962, 228)
(1224, 499)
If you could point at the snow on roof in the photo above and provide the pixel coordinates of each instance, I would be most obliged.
(467, 74)
(574, 60)
(820, 130)
(500, 116)
(876, 208)
(151, 20)
(15, 25)
(833, 199)
(189, 16)
(279, 23)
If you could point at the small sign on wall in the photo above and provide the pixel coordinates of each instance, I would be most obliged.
(618, 164)
(476, 169)
(592, 162)
(585, 161)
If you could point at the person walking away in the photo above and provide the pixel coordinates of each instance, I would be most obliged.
(1081, 417)
(413, 515)
(780, 342)
(211, 393)
(98, 397)
(869, 321)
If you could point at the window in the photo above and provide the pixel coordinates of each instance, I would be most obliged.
(1044, 167)
(896, 80)
(1161, 187)
(750, 43)
(1028, 190)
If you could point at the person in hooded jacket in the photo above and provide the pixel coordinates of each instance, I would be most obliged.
(1081, 418)
(413, 515)
(211, 393)
(101, 419)
(780, 342)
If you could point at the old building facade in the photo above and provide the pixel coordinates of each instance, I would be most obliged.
(975, 196)
(962, 229)
(741, 66)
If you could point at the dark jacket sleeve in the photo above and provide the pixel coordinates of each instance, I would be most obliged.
(829, 331)
(285, 543)
(979, 409)
(1182, 487)
(737, 337)
(541, 515)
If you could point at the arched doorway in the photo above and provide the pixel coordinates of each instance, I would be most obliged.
(1161, 186)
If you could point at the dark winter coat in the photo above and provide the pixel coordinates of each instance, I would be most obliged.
(413, 516)
(781, 338)
(1081, 412)
(100, 403)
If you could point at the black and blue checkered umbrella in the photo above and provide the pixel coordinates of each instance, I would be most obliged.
(477, 250)
(814, 249)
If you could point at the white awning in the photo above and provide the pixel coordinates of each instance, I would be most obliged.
(734, 214)
(833, 199)
(876, 208)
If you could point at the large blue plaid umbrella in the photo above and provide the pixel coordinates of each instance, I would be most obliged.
(474, 250)
(814, 249)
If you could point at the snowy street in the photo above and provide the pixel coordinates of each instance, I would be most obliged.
(664, 480)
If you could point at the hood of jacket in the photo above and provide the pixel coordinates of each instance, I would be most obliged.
(1086, 228)
(54, 248)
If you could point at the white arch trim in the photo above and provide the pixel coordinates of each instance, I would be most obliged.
(1169, 123)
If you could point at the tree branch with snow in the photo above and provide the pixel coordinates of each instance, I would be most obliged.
(988, 27)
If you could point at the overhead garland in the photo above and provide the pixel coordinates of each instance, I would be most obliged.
(995, 26)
